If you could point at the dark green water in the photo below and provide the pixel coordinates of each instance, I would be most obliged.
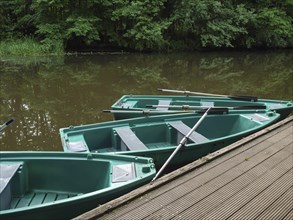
(48, 93)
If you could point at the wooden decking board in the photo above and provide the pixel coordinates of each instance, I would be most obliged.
(232, 205)
(256, 204)
(218, 192)
(248, 178)
(266, 201)
(280, 208)
(281, 135)
(289, 216)
(204, 208)
(214, 200)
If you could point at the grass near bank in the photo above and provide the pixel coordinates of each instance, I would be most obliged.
(27, 47)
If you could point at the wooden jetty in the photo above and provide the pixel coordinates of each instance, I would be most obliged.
(250, 179)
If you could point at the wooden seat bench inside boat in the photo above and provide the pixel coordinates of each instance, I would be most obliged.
(164, 104)
(183, 129)
(129, 141)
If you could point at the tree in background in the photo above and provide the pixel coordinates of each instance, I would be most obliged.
(146, 25)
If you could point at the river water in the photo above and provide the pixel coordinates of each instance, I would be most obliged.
(45, 94)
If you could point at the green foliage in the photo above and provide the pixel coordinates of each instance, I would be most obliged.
(51, 35)
(25, 47)
(85, 27)
(147, 25)
(273, 28)
(212, 23)
(140, 24)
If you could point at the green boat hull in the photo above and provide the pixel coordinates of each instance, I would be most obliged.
(156, 136)
(58, 185)
(131, 106)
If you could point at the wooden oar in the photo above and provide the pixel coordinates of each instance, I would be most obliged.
(2, 127)
(181, 143)
(147, 111)
(244, 107)
(237, 97)
(185, 92)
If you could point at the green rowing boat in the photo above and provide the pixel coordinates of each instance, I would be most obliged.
(158, 136)
(130, 106)
(58, 185)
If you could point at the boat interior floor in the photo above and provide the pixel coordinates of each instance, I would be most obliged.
(38, 198)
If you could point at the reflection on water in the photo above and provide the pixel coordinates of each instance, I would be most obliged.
(47, 93)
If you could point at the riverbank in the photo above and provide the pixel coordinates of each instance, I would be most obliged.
(32, 47)
(28, 47)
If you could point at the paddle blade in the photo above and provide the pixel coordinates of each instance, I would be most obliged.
(243, 98)
(214, 111)
(10, 121)
(2, 127)
(250, 107)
